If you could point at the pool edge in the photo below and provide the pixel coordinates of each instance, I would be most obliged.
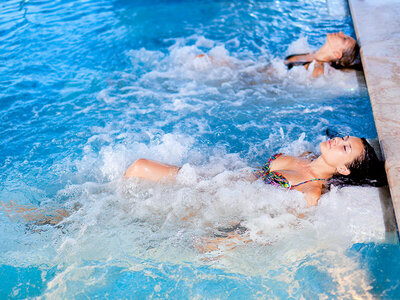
(376, 25)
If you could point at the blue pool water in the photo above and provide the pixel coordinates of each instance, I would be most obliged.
(89, 86)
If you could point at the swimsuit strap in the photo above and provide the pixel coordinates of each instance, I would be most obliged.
(273, 157)
(266, 167)
(310, 180)
(276, 178)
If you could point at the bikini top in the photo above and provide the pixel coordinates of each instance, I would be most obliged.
(275, 178)
(292, 64)
(296, 63)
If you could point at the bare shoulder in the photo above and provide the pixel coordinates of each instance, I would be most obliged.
(283, 162)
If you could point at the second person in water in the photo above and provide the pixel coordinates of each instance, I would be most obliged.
(340, 51)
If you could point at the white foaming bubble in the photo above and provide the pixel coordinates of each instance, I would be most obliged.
(299, 46)
(180, 104)
(144, 57)
(298, 146)
(207, 68)
(104, 95)
(190, 62)
(204, 42)
(113, 162)
(219, 53)
(173, 147)
(345, 80)
(187, 175)
(182, 55)
(166, 222)
(233, 42)
(352, 214)
(66, 244)
(278, 68)
(202, 63)
(318, 110)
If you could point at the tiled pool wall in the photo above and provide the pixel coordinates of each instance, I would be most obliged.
(377, 26)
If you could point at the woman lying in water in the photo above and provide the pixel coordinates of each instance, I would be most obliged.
(340, 51)
(343, 160)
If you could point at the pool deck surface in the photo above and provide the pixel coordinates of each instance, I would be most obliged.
(377, 25)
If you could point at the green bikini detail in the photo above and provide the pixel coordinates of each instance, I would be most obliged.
(275, 178)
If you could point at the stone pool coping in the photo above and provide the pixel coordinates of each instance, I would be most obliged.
(377, 26)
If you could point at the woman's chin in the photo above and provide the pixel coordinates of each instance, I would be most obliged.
(324, 147)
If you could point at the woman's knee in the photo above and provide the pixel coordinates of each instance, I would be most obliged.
(150, 169)
(137, 168)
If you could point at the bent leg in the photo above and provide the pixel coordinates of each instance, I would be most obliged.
(151, 170)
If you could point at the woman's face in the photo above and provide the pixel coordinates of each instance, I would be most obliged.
(341, 151)
(339, 42)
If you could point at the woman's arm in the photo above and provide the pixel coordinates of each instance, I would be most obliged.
(299, 60)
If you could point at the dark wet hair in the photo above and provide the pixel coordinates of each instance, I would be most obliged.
(350, 59)
(365, 170)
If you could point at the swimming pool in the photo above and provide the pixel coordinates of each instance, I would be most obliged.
(88, 87)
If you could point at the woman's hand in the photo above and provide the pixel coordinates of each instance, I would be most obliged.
(228, 243)
(318, 69)
(312, 195)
